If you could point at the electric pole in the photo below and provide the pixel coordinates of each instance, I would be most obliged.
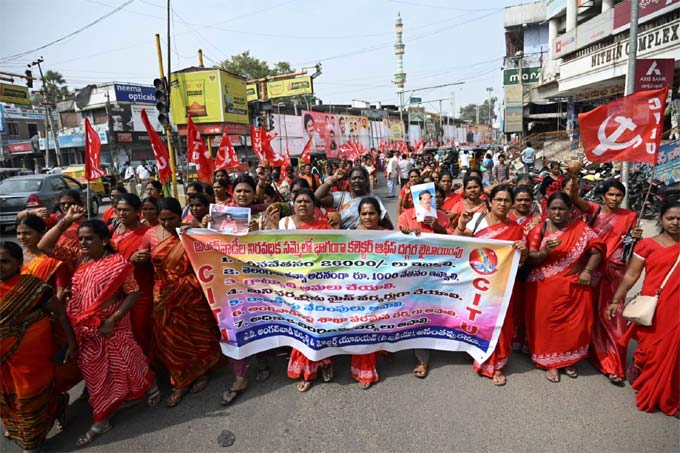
(630, 82)
(48, 120)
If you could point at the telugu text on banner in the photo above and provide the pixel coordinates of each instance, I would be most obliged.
(334, 292)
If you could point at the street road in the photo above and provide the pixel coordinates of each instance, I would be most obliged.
(452, 410)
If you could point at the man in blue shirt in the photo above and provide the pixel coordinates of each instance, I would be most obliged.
(528, 157)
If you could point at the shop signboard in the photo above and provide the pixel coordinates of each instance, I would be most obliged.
(289, 87)
(20, 148)
(565, 43)
(14, 94)
(3, 125)
(654, 73)
(530, 75)
(73, 140)
(136, 94)
(649, 9)
(209, 96)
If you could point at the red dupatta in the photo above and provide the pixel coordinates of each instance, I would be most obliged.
(94, 284)
(612, 227)
(576, 239)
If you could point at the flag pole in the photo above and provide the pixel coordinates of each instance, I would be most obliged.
(168, 134)
(88, 199)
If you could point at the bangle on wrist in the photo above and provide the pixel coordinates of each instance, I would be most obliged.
(116, 316)
(587, 270)
(615, 302)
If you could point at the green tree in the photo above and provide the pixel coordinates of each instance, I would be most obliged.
(54, 86)
(469, 112)
(251, 68)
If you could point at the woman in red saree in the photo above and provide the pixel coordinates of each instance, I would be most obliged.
(126, 240)
(185, 334)
(29, 231)
(611, 223)
(104, 289)
(559, 310)
(497, 225)
(473, 200)
(655, 372)
(405, 199)
(299, 366)
(29, 401)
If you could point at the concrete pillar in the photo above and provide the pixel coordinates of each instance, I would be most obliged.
(553, 27)
(607, 4)
(572, 11)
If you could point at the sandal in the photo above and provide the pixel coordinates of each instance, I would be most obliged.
(62, 410)
(263, 373)
(327, 373)
(230, 395)
(303, 386)
(616, 380)
(571, 372)
(365, 385)
(199, 385)
(175, 397)
(499, 379)
(92, 433)
(420, 371)
(153, 396)
(554, 378)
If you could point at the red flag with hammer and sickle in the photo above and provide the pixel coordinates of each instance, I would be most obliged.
(627, 129)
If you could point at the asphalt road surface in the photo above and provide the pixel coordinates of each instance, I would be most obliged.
(452, 410)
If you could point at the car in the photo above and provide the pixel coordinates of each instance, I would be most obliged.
(101, 185)
(38, 191)
(9, 172)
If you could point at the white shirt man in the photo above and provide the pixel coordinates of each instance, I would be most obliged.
(405, 166)
(143, 173)
(464, 160)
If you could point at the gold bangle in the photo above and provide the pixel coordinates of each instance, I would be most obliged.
(587, 270)
(117, 316)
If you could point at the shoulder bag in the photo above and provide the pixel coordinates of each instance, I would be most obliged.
(641, 309)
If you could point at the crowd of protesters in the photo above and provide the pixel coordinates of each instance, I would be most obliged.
(111, 301)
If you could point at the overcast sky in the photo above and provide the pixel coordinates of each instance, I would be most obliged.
(446, 41)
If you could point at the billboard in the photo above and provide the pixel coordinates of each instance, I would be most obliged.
(289, 87)
(320, 127)
(137, 94)
(394, 130)
(530, 75)
(251, 92)
(210, 96)
(354, 129)
(513, 118)
(668, 163)
(128, 117)
(14, 94)
(648, 10)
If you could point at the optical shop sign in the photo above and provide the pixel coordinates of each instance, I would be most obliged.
(331, 292)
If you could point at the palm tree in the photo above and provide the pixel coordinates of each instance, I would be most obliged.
(54, 85)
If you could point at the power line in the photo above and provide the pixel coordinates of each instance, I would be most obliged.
(81, 29)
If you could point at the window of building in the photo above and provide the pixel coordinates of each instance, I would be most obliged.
(32, 129)
(12, 129)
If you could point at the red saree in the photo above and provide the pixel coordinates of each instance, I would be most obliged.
(28, 399)
(505, 231)
(657, 358)
(127, 243)
(559, 311)
(185, 334)
(605, 352)
(56, 274)
(114, 367)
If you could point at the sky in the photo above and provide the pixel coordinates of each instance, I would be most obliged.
(447, 41)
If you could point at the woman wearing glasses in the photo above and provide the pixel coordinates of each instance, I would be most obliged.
(496, 225)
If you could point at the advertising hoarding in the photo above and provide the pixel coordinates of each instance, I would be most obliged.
(649, 9)
(320, 127)
(210, 96)
(14, 94)
(251, 92)
(289, 87)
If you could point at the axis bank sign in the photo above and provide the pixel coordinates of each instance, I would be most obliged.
(652, 41)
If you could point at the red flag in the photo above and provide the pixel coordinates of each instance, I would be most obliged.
(199, 154)
(419, 148)
(306, 156)
(226, 154)
(160, 152)
(286, 160)
(93, 146)
(627, 129)
(256, 136)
